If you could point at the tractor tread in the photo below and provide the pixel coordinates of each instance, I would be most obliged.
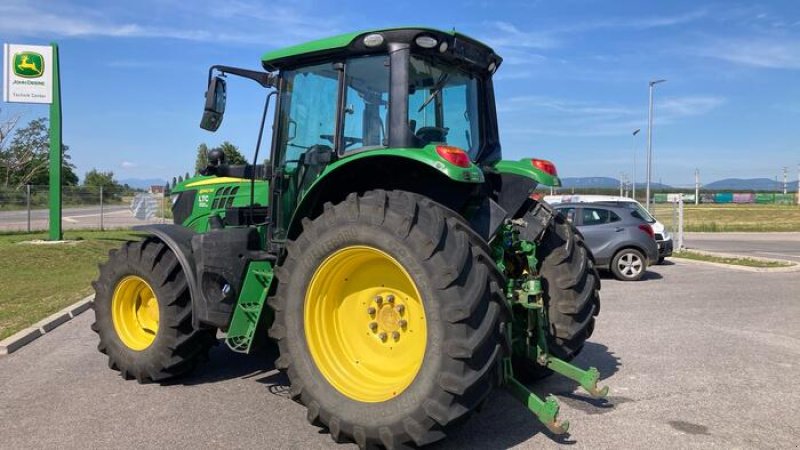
(468, 296)
(178, 348)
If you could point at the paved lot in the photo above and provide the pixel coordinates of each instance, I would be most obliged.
(114, 216)
(765, 245)
(696, 356)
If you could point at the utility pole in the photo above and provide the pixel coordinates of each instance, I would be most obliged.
(785, 175)
(798, 184)
(650, 138)
(696, 186)
(633, 184)
(621, 176)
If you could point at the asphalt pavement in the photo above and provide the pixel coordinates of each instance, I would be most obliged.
(114, 216)
(695, 356)
(765, 245)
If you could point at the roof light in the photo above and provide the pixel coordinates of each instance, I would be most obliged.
(545, 166)
(426, 41)
(443, 47)
(373, 40)
(453, 155)
(492, 67)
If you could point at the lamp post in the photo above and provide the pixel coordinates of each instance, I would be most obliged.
(650, 139)
(633, 184)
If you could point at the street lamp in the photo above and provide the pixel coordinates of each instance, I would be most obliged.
(650, 139)
(633, 191)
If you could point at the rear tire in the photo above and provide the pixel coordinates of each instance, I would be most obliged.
(460, 293)
(143, 314)
(628, 264)
(571, 288)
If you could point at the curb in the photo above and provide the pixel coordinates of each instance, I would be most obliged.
(792, 268)
(27, 335)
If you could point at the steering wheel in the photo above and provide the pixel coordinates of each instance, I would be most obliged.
(432, 134)
(348, 140)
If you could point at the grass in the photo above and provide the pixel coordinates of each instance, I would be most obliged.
(749, 262)
(732, 217)
(39, 280)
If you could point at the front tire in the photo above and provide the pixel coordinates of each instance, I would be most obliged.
(336, 338)
(143, 314)
(628, 264)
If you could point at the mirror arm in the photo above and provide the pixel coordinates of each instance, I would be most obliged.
(265, 79)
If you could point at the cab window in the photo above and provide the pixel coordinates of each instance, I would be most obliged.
(366, 103)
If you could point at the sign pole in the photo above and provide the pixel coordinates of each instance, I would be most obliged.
(56, 152)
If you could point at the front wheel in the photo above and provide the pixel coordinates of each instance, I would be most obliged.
(389, 318)
(143, 314)
(628, 265)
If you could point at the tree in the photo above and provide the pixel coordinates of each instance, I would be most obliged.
(202, 158)
(95, 178)
(232, 154)
(25, 159)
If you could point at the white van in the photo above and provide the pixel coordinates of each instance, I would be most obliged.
(663, 238)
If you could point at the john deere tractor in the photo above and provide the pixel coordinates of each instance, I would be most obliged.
(403, 267)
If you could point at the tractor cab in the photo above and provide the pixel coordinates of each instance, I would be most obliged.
(411, 93)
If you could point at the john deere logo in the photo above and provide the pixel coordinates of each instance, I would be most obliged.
(28, 65)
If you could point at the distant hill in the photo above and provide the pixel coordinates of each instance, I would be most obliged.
(601, 183)
(143, 183)
(749, 184)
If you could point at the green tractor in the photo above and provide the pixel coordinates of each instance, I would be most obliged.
(403, 267)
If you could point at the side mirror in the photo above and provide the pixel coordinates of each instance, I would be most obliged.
(215, 105)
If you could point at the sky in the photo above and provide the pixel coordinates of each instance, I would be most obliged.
(572, 88)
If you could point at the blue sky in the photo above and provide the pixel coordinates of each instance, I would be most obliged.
(572, 88)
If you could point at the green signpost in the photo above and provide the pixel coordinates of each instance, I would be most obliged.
(56, 152)
(30, 75)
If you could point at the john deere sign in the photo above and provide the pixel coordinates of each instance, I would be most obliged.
(27, 74)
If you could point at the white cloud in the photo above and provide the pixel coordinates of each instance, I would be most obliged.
(759, 52)
(564, 117)
(239, 22)
(128, 165)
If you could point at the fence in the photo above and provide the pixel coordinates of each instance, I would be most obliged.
(731, 197)
(83, 207)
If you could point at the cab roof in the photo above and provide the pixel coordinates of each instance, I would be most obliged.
(349, 43)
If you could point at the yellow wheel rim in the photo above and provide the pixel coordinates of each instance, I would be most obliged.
(134, 311)
(365, 324)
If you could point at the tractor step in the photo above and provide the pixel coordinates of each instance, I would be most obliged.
(249, 306)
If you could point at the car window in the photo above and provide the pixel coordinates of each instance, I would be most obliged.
(569, 213)
(613, 217)
(594, 216)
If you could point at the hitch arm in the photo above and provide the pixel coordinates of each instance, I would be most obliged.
(546, 410)
(586, 378)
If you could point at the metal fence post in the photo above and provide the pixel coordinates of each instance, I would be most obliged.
(101, 208)
(28, 202)
(680, 224)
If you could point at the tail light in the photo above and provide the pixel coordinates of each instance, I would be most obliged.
(545, 166)
(647, 229)
(453, 155)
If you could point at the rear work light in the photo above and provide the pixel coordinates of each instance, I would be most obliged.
(545, 166)
(453, 155)
(647, 229)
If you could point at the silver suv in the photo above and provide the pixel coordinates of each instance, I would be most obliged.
(620, 239)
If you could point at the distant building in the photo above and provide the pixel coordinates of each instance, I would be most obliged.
(156, 189)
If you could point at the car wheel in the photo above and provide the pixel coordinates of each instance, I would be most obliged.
(628, 265)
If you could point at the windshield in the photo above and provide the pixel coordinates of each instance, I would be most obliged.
(443, 105)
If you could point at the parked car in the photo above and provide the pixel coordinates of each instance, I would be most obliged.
(620, 239)
(662, 236)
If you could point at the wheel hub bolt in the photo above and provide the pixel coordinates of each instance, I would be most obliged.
(373, 326)
(382, 336)
(400, 309)
(371, 311)
(378, 300)
(390, 298)
(395, 335)
(402, 323)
